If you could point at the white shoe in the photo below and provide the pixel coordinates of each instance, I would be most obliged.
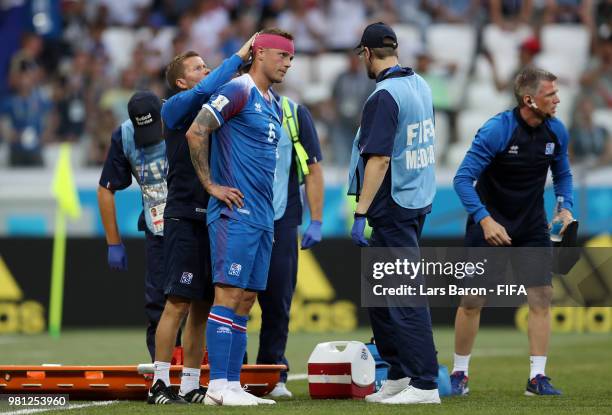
(281, 391)
(227, 397)
(414, 395)
(389, 388)
(258, 401)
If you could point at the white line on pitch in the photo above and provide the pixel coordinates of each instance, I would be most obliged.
(297, 376)
(69, 407)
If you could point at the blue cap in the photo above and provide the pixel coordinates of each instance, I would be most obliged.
(378, 35)
(144, 109)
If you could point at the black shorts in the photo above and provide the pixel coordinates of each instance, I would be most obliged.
(530, 257)
(187, 259)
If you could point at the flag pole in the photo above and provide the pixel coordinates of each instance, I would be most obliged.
(68, 204)
(56, 299)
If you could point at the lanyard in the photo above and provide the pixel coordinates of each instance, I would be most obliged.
(142, 166)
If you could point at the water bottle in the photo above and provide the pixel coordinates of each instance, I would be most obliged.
(557, 225)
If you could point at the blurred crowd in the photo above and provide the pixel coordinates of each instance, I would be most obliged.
(69, 67)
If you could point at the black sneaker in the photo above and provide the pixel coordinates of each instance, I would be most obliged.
(160, 394)
(196, 395)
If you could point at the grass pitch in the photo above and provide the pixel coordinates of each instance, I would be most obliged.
(580, 364)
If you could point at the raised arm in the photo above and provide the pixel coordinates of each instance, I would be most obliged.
(179, 109)
(198, 139)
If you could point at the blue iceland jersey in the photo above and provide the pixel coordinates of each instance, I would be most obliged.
(243, 150)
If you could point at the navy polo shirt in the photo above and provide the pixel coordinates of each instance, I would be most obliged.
(510, 160)
(379, 123)
(117, 171)
(187, 198)
(310, 141)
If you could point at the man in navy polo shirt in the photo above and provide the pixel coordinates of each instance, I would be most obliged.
(510, 158)
(392, 173)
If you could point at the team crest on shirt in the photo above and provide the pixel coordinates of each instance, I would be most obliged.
(513, 150)
(257, 107)
(220, 102)
(235, 269)
(186, 278)
(550, 149)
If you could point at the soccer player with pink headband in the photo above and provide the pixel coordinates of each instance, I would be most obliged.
(245, 121)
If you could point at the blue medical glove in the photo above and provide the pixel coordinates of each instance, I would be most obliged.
(117, 257)
(357, 230)
(312, 236)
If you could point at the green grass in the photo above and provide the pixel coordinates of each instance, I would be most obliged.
(580, 364)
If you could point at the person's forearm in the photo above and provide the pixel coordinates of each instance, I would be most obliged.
(106, 204)
(183, 105)
(563, 180)
(464, 187)
(224, 73)
(198, 139)
(314, 191)
(374, 174)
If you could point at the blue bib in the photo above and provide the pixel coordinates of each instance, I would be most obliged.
(413, 182)
(150, 168)
(281, 174)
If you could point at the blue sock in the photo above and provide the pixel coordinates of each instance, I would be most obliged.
(239, 344)
(219, 340)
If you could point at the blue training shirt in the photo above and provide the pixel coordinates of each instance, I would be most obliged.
(243, 150)
(180, 109)
(510, 161)
(187, 199)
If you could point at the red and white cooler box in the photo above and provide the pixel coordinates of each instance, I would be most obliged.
(341, 370)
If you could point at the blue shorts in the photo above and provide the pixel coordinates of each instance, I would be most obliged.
(187, 259)
(532, 262)
(240, 254)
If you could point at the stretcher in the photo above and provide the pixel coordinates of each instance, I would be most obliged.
(115, 382)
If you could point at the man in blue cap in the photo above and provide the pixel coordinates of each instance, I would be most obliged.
(392, 174)
(138, 149)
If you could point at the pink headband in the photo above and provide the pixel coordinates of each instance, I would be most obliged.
(270, 41)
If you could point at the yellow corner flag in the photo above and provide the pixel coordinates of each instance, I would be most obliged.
(64, 189)
(68, 204)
